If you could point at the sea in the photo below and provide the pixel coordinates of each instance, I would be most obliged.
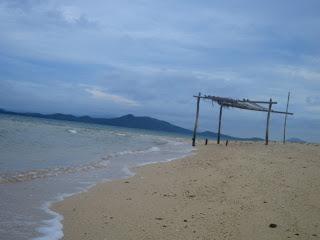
(44, 161)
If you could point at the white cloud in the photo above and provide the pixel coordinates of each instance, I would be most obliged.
(105, 96)
(153, 51)
(313, 109)
(299, 72)
(70, 14)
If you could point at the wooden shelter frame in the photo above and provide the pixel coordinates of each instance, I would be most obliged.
(241, 104)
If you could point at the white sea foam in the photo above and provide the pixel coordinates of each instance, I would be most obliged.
(127, 171)
(153, 149)
(120, 134)
(44, 173)
(72, 131)
(104, 163)
(51, 229)
(166, 160)
(127, 152)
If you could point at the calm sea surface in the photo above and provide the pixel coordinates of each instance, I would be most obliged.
(43, 161)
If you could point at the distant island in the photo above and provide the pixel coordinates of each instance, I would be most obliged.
(296, 140)
(131, 121)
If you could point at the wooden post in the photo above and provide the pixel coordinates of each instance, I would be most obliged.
(268, 120)
(196, 122)
(219, 130)
(285, 120)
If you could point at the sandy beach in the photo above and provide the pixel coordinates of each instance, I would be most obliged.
(242, 191)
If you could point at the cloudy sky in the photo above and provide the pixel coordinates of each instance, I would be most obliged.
(148, 57)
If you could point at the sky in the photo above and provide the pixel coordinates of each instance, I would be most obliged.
(146, 57)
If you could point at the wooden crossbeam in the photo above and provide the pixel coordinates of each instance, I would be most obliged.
(229, 102)
(223, 99)
(259, 110)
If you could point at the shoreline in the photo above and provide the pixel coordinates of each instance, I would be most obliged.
(53, 227)
(220, 192)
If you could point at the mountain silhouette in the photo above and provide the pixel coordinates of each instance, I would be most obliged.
(128, 121)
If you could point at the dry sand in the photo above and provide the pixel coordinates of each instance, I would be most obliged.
(232, 192)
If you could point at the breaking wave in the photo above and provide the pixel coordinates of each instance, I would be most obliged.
(22, 176)
(72, 131)
(49, 172)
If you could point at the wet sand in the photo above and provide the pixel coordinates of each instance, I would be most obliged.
(243, 191)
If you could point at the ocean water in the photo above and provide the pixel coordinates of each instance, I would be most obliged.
(43, 161)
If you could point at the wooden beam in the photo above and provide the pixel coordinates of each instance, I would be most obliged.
(285, 120)
(258, 110)
(233, 103)
(214, 98)
(286, 113)
(249, 101)
(196, 122)
(219, 129)
(268, 121)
